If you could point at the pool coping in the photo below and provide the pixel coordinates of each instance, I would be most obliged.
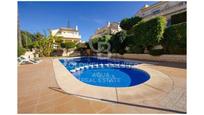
(157, 86)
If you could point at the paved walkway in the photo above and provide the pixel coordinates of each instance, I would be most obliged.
(34, 96)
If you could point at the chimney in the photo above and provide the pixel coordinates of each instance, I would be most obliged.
(108, 24)
(76, 27)
(146, 5)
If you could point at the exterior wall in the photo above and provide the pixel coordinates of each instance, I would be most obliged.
(167, 9)
(54, 32)
(110, 28)
(67, 34)
(166, 58)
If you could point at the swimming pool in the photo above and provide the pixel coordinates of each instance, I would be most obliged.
(105, 72)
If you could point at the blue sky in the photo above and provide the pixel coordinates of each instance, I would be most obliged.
(42, 16)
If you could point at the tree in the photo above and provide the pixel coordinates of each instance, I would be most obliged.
(68, 45)
(128, 23)
(58, 40)
(80, 46)
(118, 42)
(94, 42)
(48, 45)
(174, 41)
(101, 43)
(44, 46)
(132, 45)
(149, 33)
(26, 38)
(87, 45)
(21, 51)
(19, 34)
(38, 36)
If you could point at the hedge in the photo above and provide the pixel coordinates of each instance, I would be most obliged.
(174, 41)
(132, 47)
(156, 52)
(118, 42)
(178, 18)
(68, 45)
(149, 33)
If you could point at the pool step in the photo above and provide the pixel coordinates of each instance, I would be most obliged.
(101, 66)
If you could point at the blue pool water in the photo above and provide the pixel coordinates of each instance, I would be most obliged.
(106, 76)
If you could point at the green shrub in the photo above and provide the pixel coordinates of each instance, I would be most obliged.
(68, 45)
(128, 23)
(38, 36)
(178, 18)
(149, 33)
(44, 46)
(174, 41)
(58, 40)
(156, 52)
(133, 47)
(118, 42)
(21, 51)
(100, 43)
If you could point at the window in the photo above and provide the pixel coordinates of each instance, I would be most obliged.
(156, 12)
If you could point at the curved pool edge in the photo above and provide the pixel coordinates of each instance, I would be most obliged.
(72, 85)
(158, 83)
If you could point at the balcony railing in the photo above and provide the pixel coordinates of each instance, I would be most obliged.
(69, 36)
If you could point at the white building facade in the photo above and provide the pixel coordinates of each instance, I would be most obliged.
(165, 8)
(110, 28)
(67, 34)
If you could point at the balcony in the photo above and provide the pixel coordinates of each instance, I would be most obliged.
(69, 36)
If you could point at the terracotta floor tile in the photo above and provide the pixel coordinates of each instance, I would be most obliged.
(34, 95)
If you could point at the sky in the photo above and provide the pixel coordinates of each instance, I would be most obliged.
(88, 16)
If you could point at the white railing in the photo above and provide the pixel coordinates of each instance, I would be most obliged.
(69, 36)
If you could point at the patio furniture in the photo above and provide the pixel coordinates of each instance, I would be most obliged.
(27, 60)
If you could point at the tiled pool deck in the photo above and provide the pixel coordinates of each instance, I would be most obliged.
(35, 96)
